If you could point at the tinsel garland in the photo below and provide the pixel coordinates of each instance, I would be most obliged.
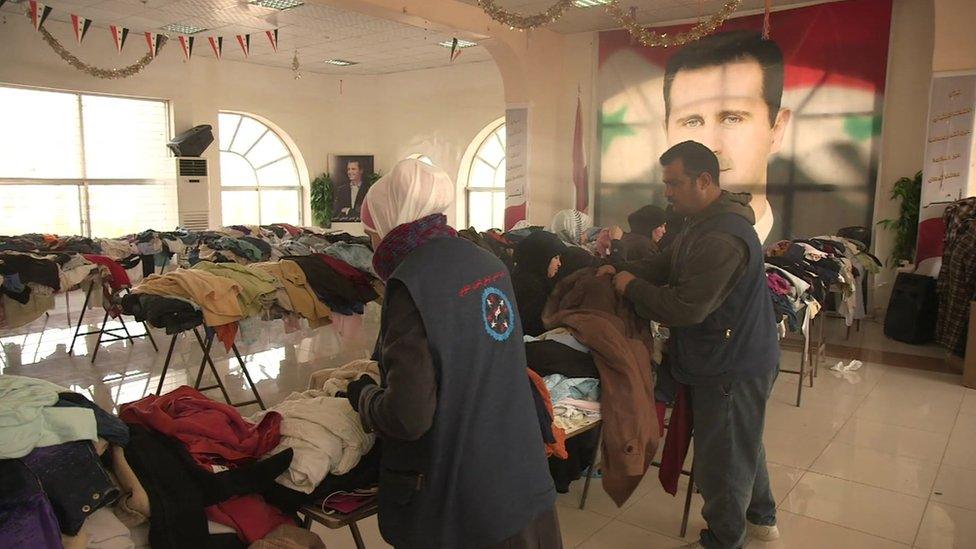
(523, 22)
(97, 72)
(653, 39)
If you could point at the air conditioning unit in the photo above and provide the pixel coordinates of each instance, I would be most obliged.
(193, 192)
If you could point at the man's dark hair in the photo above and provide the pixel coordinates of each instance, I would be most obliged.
(358, 163)
(728, 47)
(695, 157)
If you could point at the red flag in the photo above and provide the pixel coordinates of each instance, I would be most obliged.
(579, 161)
(273, 38)
(217, 44)
(152, 43)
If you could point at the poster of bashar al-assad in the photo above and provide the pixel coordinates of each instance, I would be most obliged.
(351, 176)
(794, 119)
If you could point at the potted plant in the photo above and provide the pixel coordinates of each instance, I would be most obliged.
(909, 192)
(321, 200)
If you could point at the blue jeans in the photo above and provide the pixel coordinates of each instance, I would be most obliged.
(730, 461)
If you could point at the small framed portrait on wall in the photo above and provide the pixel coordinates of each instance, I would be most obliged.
(351, 177)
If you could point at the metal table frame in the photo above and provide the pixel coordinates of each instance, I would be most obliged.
(105, 334)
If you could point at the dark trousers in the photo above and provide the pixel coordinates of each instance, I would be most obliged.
(730, 461)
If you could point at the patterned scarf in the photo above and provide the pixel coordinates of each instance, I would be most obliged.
(404, 239)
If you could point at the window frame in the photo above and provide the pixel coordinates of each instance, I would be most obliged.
(268, 128)
(473, 155)
(84, 182)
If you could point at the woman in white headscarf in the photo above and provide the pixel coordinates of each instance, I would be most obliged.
(463, 461)
(571, 226)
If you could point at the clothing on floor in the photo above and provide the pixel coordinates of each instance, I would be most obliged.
(621, 346)
(289, 537)
(325, 434)
(74, 481)
(730, 461)
(213, 432)
(29, 418)
(109, 426)
(26, 516)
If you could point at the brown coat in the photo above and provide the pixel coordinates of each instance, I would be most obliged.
(621, 345)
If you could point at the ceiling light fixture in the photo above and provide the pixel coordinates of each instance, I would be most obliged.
(180, 28)
(340, 62)
(461, 43)
(278, 4)
(590, 3)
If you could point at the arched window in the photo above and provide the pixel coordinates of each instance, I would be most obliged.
(259, 179)
(483, 177)
(422, 157)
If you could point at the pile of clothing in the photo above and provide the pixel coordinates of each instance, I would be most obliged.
(30, 280)
(229, 297)
(176, 470)
(801, 273)
(957, 278)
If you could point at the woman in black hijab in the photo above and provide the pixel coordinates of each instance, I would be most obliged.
(537, 262)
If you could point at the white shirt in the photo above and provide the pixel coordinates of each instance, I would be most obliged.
(764, 225)
(354, 193)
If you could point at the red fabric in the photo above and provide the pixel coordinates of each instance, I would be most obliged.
(213, 432)
(931, 234)
(226, 334)
(249, 515)
(677, 442)
(514, 214)
(292, 230)
(119, 278)
(557, 448)
(498, 237)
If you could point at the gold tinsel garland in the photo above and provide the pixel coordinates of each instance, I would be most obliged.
(654, 39)
(97, 72)
(523, 22)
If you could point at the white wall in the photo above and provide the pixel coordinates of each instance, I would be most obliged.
(903, 130)
(436, 112)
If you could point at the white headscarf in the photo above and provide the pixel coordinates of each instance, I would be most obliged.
(411, 191)
(570, 226)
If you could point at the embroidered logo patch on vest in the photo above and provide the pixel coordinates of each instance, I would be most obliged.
(497, 314)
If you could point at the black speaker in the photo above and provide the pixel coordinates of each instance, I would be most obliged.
(912, 310)
(193, 141)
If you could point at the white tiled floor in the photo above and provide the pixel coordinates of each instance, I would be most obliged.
(881, 458)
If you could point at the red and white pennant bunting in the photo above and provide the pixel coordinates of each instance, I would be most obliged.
(217, 44)
(273, 38)
(80, 25)
(38, 13)
(119, 34)
(186, 43)
(245, 42)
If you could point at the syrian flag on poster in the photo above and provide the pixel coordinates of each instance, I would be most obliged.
(217, 44)
(273, 38)
(186, 43)
(153, 41)
(39, 14)
(80, 25)
(245, 42)
(119, 34)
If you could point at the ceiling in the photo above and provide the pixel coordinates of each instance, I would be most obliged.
(318, 33)
(648, 11)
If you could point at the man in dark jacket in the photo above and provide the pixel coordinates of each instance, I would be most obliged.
(709, 288)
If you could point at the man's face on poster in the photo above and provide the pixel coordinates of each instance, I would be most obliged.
(354, 172)
(723, 108)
